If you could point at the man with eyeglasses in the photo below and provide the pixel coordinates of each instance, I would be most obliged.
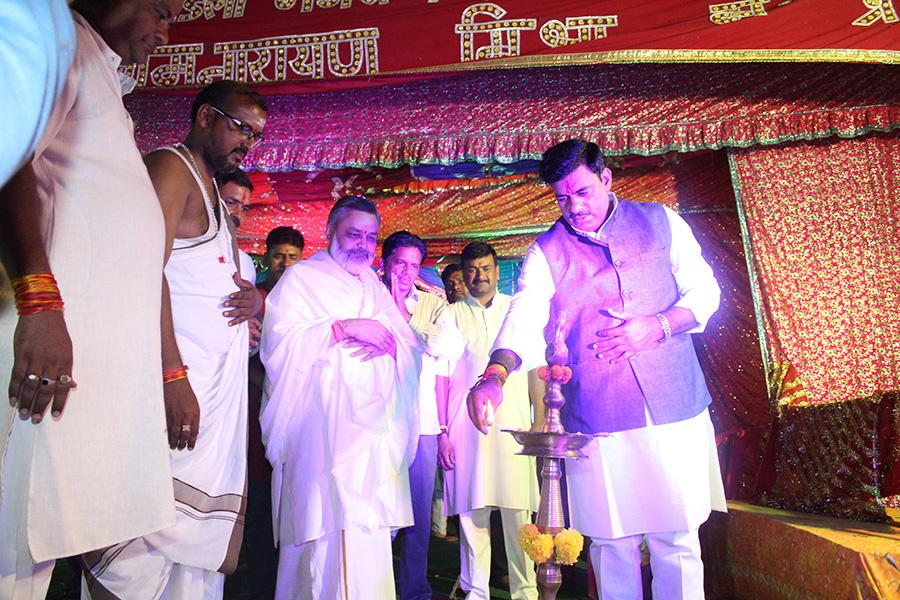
(205, 359)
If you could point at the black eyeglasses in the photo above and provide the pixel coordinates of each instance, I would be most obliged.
(248, 132)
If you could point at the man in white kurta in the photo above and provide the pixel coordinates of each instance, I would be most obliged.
(656, 476)
(429, 317)
(98, 473)
(488, 473)
(339, 416)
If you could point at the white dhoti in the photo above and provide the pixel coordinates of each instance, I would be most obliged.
(351, 564)
(210, 480)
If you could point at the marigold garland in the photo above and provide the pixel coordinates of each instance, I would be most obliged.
(540, 547)
(568, 544)
(559, 373)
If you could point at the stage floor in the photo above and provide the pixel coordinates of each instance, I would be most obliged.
(760, 553)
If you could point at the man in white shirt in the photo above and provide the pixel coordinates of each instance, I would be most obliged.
(483, 473)
(97, 472)
(236, 189)
(632, 284)
(430, 319)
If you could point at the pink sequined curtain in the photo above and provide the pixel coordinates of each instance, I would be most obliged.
(509, 115)
(824, 222)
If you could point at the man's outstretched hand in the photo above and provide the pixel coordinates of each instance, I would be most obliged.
(484, 397)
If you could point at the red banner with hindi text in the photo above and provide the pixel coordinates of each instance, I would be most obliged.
(297, 43)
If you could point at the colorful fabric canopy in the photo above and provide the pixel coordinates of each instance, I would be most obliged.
(510, 115)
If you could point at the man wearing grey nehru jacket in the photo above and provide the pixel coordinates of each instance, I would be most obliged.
(633, 285)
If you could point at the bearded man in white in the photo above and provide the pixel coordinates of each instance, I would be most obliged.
(339, 415)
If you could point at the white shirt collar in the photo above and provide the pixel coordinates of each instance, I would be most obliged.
(412, 299)
(600, 235)
(126, 82)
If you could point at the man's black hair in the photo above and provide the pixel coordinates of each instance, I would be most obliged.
(284, 235)
(563, 158)
(476, 250)
(222, 94)
(403, 239)
(237, 176)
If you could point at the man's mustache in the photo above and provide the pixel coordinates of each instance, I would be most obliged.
(359, 254)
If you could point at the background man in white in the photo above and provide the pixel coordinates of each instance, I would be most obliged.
(483, 473)
(633, 284)
(339, 416)
(429, 317)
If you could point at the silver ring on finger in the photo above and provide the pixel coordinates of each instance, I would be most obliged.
(64, 379)
(45, 382)
(185, 428)
(33, 377)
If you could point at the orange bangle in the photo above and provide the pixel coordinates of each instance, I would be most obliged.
(170, 375)
(36, 293)
(495, 371)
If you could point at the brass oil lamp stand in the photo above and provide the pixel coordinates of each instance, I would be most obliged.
(552, 444)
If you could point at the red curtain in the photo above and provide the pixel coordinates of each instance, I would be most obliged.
(823, 219)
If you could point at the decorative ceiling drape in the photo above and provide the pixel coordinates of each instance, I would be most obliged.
(510, 115)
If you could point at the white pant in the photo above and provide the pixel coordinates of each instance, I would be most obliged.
(353, 564)
(475, 554)
(133, 569)
(674, 561)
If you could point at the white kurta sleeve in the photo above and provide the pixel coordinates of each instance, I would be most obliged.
(523, 329)
(698, 290)
(436, 329)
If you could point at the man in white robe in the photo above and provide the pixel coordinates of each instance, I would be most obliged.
(202, 277)
(84, 210)
(483, 473)
(339, 415)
